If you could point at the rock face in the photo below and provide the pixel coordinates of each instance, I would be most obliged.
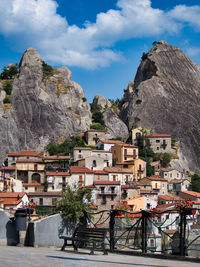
(114, 125)
(165, 97)
(43, 109)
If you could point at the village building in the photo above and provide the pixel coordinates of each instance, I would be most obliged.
(119, 174)
(190, 195)
(140, 203)
(100, 175)
(24, 154)
(92, 136)
(80, 176)
(156, 167)
(177, 185)
(53, 163)
(160, 143)
(44, 199)
(32, 187)
(30, 170)
(81, 153)
(171, 174)
(168, 199)
(107, 144)
(57, 181)
(13, 200)
(158, 184)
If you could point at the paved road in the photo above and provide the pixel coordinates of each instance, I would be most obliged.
(50, 257)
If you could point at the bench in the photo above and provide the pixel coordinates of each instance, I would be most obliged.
(85, 237)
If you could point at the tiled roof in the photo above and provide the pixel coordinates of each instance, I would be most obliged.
(169, 197)
(100, 172)
(44, 194)
(22, 153)
(101, 151)
(106, 182)
(156, 178)
(32, 184)
(158, 135)
(56, 157)
(11, 202)
(82, 148)
(29, 160)
(116, 170)
(11, 194)
(177, 181)
(191, 193)
(127, 145)
(87, 186)
(76, 169)
(171, 231)
(155, 163)
(111, 141)
(57, 174)
(9, 168)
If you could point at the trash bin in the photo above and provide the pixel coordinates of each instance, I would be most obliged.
(21, 219)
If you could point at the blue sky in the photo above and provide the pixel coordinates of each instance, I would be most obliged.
(101, 41)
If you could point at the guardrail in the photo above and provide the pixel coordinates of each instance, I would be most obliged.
(172, 231)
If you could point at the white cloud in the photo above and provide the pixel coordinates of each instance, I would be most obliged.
(36, 23)
(193, 51)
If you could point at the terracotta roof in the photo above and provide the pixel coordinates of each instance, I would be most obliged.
(11, 202)
(32, 184)
(11, 194)
(169, 197)
(100, 172)
(117, 170)
(154, 163)
(87, 186)
(177, 181)
(127, 145)
(55, 157)
(158, 135)
(76, 169)
(82, 148)
(106, 182)
(57, 174)
(171, 232)
(44, 194)
(29, 160)
(9, 168)
(103, 151)
(156, 178)
(30, 153)
(111, 141)
(192, 193)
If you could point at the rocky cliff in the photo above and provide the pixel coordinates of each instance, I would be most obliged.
(43, 107)
(165, 97)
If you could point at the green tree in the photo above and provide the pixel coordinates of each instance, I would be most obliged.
(165, 159)
(195, 183)
(9, 72)
(97, 126)
(73, 204)
(47, 70)
(7, 87)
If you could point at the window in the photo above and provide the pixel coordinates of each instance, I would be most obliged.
(26, 187)
(148, 205)
(107, 164)
(157, 148)
(152, 242)
(170, 175)
(163, 185)
(98, 177)
(102, 189)
(114, 177)
(131, 207)
(79, 156)
(112, 207)
(125, 158)
(125, 151)
(127, 178)
(112, 198)
(79, 151)
(99, 155)
(54, 201)
(125, 166)
(63, 179)
(103, 200)
(13, 158)
(156, 185)
(36, 188)
(177, 175)
(112, 190)
(134, 152)
(41, 201)
(165, 174)
(157, 141)
(35, 167)
(94, 163)
(80, 179)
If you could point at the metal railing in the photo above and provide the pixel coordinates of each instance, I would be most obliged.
(172, 231)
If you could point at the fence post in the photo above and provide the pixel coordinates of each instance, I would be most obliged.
(144, 231)
(112, 229)
(182, 236)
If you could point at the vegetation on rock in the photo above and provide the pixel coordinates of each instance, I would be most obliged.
(97, 126)
(47, 70)
(195, 183)
(7, 87)
(9, 72)
(6, 100)
(66, 147)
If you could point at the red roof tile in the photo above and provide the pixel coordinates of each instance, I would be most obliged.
(44, 194)
(56, 157)
(156, 178)
(192, 193)
(100, 172)
(29, 160)
(22, 153)
(11, 202)
(76, 169)
(158, 135)
(106, 182)
(82, 148)
(9, 168)
(127, 145)
(169, 197)
(32, 184)
(111, 141)
(11, 194)
(117, 170)
(57, 174)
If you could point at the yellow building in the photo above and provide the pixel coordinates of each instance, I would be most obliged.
(140, 203)
(158, 184)
(126, 156)
(138, 132)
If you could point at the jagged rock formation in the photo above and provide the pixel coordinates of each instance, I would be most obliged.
(165, 97)
(114, 125)
(43, 109)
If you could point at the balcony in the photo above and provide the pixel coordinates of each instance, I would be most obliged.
(107, 193)
(140, 170)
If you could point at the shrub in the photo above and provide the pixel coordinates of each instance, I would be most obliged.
(97, 126)
(6, 100)
(195, 183)
(9, 72)
(47, 70)
(144, 56)
(7, 87)
(84, 99)
(165, 159)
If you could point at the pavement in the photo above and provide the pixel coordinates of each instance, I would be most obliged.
(53, 257)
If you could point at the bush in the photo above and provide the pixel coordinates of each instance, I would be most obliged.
(97, 114)
(9, 72)
(84, 99)
(6, 100)
(165, 159)
(7, 87)
(144, 56)
(174, 142)
(195, 183)
(97, 126)
(47, 70)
